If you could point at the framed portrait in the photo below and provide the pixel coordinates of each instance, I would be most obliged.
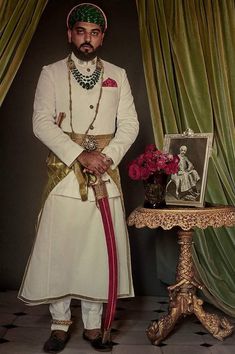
(187, 187)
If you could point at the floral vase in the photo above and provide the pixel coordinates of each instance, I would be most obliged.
(155, 191)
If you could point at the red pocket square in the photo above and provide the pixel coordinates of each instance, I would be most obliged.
(109, 83)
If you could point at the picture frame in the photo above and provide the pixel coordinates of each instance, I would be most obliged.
(187, 187)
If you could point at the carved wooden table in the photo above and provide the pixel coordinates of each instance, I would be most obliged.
(182, 295)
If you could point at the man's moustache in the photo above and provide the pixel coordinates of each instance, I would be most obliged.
(86, 45)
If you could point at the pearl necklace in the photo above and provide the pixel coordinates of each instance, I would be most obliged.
(86, 81)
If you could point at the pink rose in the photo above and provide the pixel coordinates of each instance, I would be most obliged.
(148, 156)
(151, 166)
(160, 164)
(150, 147)
(134, 171)
(140, 160)
(144, 172)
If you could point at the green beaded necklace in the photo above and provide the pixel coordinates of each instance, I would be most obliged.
(89, 141)
(86, 81)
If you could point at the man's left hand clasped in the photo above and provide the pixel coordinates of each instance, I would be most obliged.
(94, 162)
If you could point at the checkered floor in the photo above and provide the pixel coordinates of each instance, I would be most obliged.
(24, 329)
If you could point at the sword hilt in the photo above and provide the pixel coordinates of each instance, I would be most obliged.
(99, 186)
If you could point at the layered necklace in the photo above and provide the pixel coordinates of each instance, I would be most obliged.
(86, 81)
(89, 141)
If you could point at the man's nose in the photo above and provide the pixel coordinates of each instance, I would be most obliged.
(87, 37)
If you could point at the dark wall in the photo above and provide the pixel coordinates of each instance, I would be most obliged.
(23, 173)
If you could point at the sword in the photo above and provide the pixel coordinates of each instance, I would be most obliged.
(101, 195)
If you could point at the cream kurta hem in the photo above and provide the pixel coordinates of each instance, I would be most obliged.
(59, 266)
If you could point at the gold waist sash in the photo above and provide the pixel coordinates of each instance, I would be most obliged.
(57, 170)
(100, 140)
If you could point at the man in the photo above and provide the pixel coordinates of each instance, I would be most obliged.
(84, 113)
(187, 177)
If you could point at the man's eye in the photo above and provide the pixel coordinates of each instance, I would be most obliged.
(80, 31)
(95, 33)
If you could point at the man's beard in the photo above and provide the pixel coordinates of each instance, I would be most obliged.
(84, 56)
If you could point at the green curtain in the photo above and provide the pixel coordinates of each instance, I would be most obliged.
(188, 49)
(18, 22)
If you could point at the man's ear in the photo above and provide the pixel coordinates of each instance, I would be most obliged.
(69, 35)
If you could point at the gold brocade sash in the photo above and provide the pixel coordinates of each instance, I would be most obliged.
(57, 170)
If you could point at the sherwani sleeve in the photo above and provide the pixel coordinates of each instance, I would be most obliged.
(44, 126)
(127, 125)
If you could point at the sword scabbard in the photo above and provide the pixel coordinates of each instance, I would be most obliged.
(106, 338)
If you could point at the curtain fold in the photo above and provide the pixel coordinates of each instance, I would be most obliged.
(18, 22)
(188, 49)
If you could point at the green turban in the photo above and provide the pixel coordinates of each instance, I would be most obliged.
(87, 12)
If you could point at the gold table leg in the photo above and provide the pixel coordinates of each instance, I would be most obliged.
(183, 301)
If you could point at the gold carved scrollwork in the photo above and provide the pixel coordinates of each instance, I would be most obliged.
(186, 218)
(182, 298)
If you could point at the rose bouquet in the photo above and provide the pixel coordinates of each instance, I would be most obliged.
(151, 162)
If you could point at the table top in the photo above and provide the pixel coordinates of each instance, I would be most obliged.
(186, 218)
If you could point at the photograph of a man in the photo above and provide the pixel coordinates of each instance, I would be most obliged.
(187, 186)
(186, 180)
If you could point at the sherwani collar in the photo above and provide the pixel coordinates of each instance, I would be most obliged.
(84, 64)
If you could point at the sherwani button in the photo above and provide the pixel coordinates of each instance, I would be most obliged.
(91, 106)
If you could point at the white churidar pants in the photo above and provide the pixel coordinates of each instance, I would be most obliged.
(91, 314)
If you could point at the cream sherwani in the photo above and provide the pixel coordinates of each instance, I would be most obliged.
(69, 257)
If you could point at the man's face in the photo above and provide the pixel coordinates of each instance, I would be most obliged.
(86, 38)
(183, 150)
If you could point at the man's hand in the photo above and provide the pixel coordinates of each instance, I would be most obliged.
(94, 162)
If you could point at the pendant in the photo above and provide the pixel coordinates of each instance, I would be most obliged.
(90, 143)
